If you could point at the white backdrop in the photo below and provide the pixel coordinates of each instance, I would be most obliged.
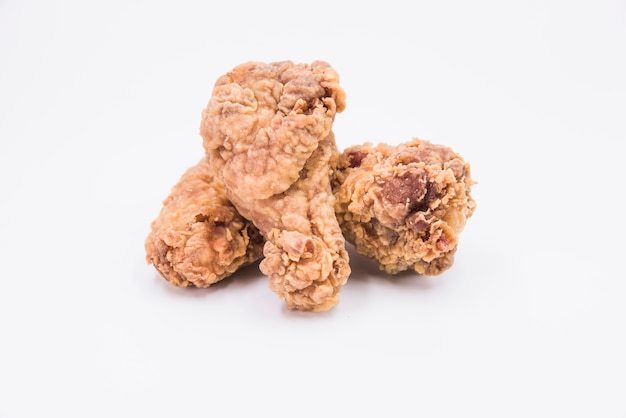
(99, 112)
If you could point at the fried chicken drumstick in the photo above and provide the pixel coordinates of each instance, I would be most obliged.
(405, 205)
(269, 126)
(199, 237)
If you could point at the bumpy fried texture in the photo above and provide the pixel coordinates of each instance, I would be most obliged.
(405, 205)
(199, 237)
(270, 127)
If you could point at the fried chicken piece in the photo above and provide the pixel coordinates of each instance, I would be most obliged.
(199, 237)
(269, 124)
(405, 205)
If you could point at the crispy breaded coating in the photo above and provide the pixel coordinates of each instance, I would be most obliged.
(199, 237)
(405, 205)
(270, 125)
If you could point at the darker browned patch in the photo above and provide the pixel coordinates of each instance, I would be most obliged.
(377, 232)
(432, 192)
(419, 225)
(206, 218)
(311, 105)
(410, 189)
(442, 243)
(355, 158)
(309, 247)
(201, 218)
(370, 229)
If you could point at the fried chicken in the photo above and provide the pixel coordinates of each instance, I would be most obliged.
(199, 237)
(270, 126)
(405, 205)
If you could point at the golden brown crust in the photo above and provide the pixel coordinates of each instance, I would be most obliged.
(198, 237)
(273, 183)
(405, 205)
(269, 127)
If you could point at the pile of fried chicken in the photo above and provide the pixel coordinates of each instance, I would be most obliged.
(273, 186)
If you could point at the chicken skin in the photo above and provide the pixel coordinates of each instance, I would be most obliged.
(269, 126)
(404, 205)
(199, 238)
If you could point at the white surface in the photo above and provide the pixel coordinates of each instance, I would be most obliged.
(99, 113)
